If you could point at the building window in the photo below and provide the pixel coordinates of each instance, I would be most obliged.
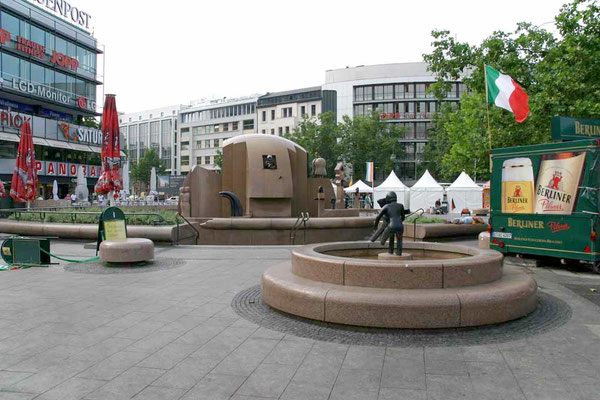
(280, 130)
(264, 116)
(303, 110)
(216, 128)
(207, 144)
(272, 131)
(206, 160)
(272, 115)
(264, 131)
(287, 129)
(378, 92)
(215, 142)
(313, 110)
(286, 112)
(358, 94)
(388, 92)
(225, 127)
(248, 124)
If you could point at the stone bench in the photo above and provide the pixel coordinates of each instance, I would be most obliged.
(131, 250)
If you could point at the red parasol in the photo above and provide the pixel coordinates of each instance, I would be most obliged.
(24, 179)
(110, 179)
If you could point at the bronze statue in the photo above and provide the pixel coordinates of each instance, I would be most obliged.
(395, 213)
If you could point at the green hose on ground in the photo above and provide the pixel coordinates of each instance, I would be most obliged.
(69, 260)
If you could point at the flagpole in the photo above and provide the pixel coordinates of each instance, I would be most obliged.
(487, 112)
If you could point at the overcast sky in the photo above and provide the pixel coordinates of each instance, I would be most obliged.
(160, 53)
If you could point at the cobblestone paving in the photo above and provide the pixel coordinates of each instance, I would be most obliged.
(551, 312)
(172, 334)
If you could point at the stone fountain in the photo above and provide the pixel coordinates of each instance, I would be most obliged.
(442, 286)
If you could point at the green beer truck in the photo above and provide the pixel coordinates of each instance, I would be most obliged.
(544, 198)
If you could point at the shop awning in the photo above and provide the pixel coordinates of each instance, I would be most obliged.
(79, 147)
(40, 141)
(9, 137)
(58, 143)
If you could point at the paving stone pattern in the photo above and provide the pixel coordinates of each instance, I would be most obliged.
(172, 334)
(551, 312)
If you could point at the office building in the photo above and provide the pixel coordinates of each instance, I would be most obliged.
(399, 93)
(281, 112)
(152, 129)
(49, 77)
(205, 125)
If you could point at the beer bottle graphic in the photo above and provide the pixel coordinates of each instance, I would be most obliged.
(517, 186)
(558, 182)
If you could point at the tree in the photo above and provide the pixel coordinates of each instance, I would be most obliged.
(369, 138)
(560, 75)
(219, 160)
(319, 138)
(140, 172)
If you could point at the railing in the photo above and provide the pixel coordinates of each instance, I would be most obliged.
(18, 212)
(197, 232)
(421, 212)
(300, 222)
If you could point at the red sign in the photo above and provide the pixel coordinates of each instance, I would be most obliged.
(12, 119)
(557, 226)
(94, 171)
(82, 102)
(64, 61)
(73, 169)
(28, 47)
(39, 166)
(4, 36)
(62, 169)
(50, 168)
(402, 115)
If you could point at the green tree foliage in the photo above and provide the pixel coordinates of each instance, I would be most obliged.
(369, 138)
(140, 172)
(319, 138)
(356, 141)
(560, 75)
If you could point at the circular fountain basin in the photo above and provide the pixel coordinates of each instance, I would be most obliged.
(442, 286)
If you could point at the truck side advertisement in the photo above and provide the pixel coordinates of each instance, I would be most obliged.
(544, 199)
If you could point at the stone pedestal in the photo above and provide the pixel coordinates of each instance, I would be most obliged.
(392, 257)
(131, 250)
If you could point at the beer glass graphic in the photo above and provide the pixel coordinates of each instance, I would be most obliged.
(558, 182)
(517, 186)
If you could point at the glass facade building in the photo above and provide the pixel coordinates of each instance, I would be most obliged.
(49, 76)
(399, 94)
(152, 129)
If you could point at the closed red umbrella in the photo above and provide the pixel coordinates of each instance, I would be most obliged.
(24, 179)
(110, 179)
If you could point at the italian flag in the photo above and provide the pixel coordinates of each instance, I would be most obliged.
(504, 92)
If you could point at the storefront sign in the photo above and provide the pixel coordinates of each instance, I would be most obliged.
(57, 168)
(403, 115)
(48, 93)
(17, 106)
(12, 119)
(67, 11)
(64, 61)
(4, 36)
(31, 48)
(566, 128)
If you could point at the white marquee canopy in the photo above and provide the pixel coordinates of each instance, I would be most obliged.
(392, 184)
(464, 193)
(425, 192)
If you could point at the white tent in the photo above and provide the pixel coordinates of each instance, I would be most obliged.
(392, 184)
(362, 188)
(425, 192)
(464, 193)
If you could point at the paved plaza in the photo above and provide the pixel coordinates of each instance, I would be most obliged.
(171, 333)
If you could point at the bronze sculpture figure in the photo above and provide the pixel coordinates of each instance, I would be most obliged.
(395, 213)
